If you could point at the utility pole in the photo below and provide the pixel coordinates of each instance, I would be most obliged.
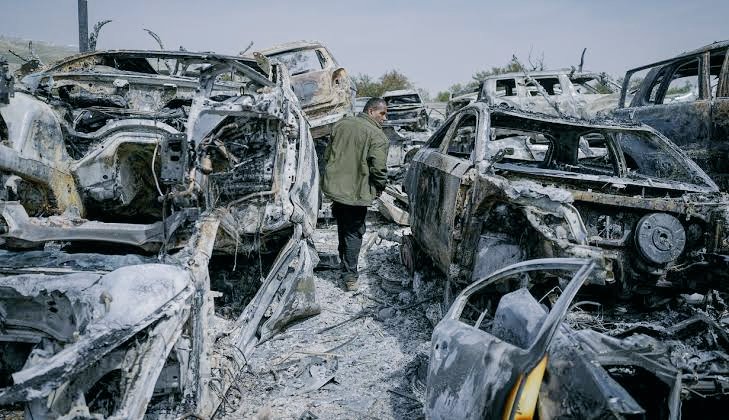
(83, 26)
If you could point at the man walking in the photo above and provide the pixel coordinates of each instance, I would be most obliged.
(355, 173)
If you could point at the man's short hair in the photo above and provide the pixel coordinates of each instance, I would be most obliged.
(373, 103)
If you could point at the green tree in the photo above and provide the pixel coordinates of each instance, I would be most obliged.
(391, 80)
(366, 86)
(510, 67)
(443, 96)
(458, 89)
(394, 80)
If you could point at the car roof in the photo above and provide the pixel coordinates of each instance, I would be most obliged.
(544, 73)
(705, 48)
(250, 62)
(399, 92)
(605, 123)
(291, 46)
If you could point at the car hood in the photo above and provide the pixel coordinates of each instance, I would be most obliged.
(90, 312)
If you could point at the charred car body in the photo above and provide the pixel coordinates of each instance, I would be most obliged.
(497, 354)
(458, 102)
(493, 187)
(403, 146)
(406, 109)
(197, 154)
(324, 89)
(687, 99)
(557, 92)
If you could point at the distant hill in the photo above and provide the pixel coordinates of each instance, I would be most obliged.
(48, 53)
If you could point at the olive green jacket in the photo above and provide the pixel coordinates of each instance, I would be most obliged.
(355, 161)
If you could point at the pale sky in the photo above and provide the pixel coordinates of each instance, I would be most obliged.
(435, 43)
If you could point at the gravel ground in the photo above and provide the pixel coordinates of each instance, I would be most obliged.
(371, 366)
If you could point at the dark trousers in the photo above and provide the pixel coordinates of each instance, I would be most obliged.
(351, 228)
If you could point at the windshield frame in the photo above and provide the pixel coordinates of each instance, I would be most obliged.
(694, 175)
(312, 55)
(410, 99)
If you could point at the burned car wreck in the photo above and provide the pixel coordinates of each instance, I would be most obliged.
(458, 102)
(406, 109)
(493, 187)
(132, 182)
(687, 99)
(565, 92)
(497, 354)
(324, 88)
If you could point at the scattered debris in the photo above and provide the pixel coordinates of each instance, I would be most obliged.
(392, 204)
(308, 415)
(375, 356)
(489, 363)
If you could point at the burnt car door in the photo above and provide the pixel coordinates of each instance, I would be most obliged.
(438, 171)
(310, 70)
(487, 364)
(719, 86)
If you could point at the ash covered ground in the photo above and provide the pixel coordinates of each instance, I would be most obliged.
(364, 356)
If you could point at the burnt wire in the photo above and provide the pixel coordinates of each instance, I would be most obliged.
(154, 172)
